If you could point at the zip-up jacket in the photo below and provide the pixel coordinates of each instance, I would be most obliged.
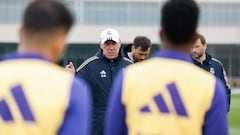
(215, 67)
(100, 72)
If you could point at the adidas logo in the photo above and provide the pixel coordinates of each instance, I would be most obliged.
(162, 106)
(103, 74)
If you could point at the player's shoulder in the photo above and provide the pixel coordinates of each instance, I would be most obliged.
(178, 66)
(46, 68)
(200, 71)
(86, 62)
(140, 67)
(55, 70)
(32, 65)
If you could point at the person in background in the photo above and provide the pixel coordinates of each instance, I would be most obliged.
(159, 96)
(210, 64)
(139, 50)
(37, 97)
(99, 71)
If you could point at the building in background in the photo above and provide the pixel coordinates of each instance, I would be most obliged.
(219, 23)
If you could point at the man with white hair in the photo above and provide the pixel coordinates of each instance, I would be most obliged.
(99, 71)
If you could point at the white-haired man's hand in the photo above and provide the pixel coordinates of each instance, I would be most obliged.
(70, 68)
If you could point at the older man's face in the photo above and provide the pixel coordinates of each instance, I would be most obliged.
(110, 49)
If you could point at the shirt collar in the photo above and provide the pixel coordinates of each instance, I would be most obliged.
(174, 55)
(206, 61)
(28, 55)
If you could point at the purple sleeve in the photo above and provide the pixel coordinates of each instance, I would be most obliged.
(115, 116)
(77, 116)
(216, 122)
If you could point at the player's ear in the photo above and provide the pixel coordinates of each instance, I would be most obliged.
(20, 33)
(205, 46)
(162, 36)
(58, 44)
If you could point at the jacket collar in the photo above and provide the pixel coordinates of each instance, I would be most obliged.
(28, 55)
(207, 60)
(101, 56)
(173, 55)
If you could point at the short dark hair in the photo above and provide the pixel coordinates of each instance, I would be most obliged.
(179, 20)
(46, 15)
(143, 42)
(202, 38)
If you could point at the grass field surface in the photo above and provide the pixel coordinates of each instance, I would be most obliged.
(234, 115)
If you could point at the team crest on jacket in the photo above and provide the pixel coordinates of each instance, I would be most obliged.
(212, 70)
(103, 74)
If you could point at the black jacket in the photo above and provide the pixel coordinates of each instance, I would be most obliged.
(100, 72)
(215, 67)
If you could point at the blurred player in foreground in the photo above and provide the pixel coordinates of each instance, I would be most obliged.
(159, 96)
(38, 97)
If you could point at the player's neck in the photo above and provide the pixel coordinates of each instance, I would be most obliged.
(35, 49)
(186, 49)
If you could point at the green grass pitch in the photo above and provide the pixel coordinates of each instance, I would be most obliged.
(234, 115)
